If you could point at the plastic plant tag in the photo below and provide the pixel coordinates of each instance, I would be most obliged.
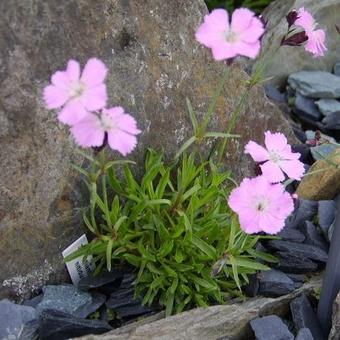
(78, 268)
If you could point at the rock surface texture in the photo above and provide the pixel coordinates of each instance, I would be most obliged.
(154, 64)
(292, 59)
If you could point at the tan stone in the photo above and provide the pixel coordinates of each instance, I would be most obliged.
(335, 331)
(324, 183)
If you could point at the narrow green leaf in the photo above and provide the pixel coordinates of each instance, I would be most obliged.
(185, 146)
(109, 255)
(192, 115)
(220, 135)
(119, 222)
(204, 247)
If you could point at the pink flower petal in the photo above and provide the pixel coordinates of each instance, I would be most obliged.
(254, 32)
(224, 50)
(249, 222)
(257, 152)
(88, 132)
(121, 141)
(61, 80)
(241, 20)
(54, 97)
(250, 50)
(73, 70)
(316, 43)
(272, 172)
(211, 32)
(305, 20)
(94, 72)
(73, 112)
(128, 124)
(94, 98)
(270, 224)
(275, 141)
(294, 169)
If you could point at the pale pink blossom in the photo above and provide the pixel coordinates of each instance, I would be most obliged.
(277, 158)
(316, 37)
(228, 40)
(261, 206)
(77, 94)
(121, 129)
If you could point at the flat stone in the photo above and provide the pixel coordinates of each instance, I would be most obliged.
(252, 288)
(30, 330)
(297, 277)
(97, 300)
(33, 302)
(64, 298)
(332, 121)
(151, 73)
(292, 263)
(304, 151)
(290, 234)
(304, 334)
(304, 317)
(300, 249)
(324, 183)
(328, 106)
(304, 210)
(322, 151)
(273, 93)
(315, 84)
(270, 327)
(335, 330)
(211, 323)
(274, 283)
(313, 237)
(13, 318)
(306, 108)
(105, 282)
(56, 325)
(326, 215)
(336, 69)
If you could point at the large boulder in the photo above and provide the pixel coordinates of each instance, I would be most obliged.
(292, 59)
(154, 64)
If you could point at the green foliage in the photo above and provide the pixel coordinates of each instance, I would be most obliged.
(175, 227)
(256, 5)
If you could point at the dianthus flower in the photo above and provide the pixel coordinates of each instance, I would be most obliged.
(261, 206)
(278, 158)
(77, 94)
(316, 38)
(121, 130)
(228, 40)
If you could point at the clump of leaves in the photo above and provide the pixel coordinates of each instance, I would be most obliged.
(175, 227)
(256, 5)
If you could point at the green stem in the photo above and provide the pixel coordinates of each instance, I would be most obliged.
(106, 205)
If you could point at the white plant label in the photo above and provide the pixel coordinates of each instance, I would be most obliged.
(78, 268)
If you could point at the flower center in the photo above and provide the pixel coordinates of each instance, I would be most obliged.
(106, 122)
(230, 36)
(77, 89)
(261, 204)
(274, 156)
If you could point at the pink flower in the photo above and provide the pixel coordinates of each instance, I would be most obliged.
(241, 37)
(316, 38)
(261, 206)
(77, 94)
(278, 158)
(121, 129)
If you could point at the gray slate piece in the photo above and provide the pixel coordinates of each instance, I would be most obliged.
(313, 237)
(328, 106)
(305, 107)
(275, 283)
(304, 334)
(64, 298)
(304, 317)
(270, 327)
(315, 84)
(13, 319)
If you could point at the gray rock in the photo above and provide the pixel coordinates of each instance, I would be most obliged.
(330, 231)
(336, 69)
(274, 94)
(326, 215)
(211, 323)
(97, 300)
(328, 106)
(315, 84)
(300, 249)
(13, 319)
(335, 330)
(304, 317)
(322, 151)
(64, 298)
(252, 288)
(288, 59)
(274, 283)
(33, 302)
(270, 327)
(151, 72)
(292, 263)
(304, 334)
(332, 121)
(306, 108)
(30, 331)
(290, 234)
(305, 210)
(313, 237)
(56, 325)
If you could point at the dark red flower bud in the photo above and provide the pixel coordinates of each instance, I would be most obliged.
(291, 17)
(296, 39)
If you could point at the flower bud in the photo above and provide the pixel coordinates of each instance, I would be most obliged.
(296, 39)
(291, 17)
